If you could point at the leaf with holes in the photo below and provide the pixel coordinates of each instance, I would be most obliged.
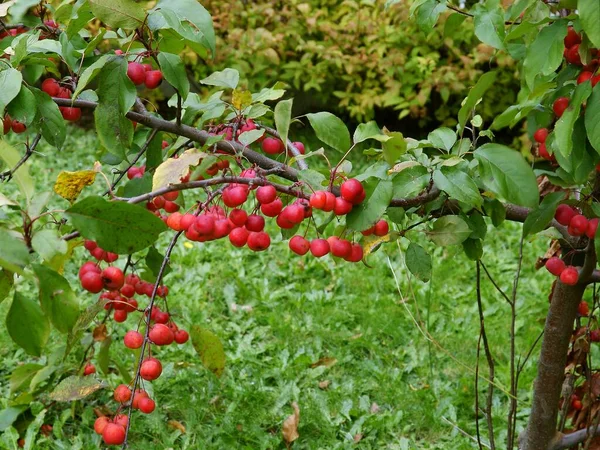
(75, 388)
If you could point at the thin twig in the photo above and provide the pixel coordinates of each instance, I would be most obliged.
(30, 151)
(289, 144)
(133, 161)
(490, 362)
(148, 315)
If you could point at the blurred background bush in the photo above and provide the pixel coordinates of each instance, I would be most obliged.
(358, 60)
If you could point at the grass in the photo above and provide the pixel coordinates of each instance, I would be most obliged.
(278, 315)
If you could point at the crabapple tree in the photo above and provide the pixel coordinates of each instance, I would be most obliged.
(217, 162)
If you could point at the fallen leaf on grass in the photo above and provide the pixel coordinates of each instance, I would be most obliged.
(176, 425)
(325, 361)
(290, 425)
(324, 384)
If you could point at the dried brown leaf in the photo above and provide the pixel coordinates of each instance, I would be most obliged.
(324, 384)
(325, 361)
(289, 430)
(100, 333)
(176, 425)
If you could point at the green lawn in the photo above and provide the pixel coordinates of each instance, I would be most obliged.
(277, 315)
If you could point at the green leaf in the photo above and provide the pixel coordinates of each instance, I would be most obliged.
(330, 130)
(27, 325)
(154, 260)
(11, 157)
(283, 118)
(563, 130)
(10, 80)
(186, 18)
(369, 130)
(449, 230)
(119, 13)
(394, 148)
(589, 15)
(58, 300)
(228, 78)
(313, 178)
(49, 120)
(473, 249)
(174, 72)
(410, 181)
(418, 262)
(428, 12)
(14, 254)
(117, 227)
(48, 244)
(24, 107)
(138, 186)
(210, 349)
(75, 388)
(495, 210)
(83, 322)
(249, 137)
(6, 283)
(103, 357)
(539, 218)
(485, 82)
(545, 54)
(9, 415)
(506, 173)
(90, 73)
(364, 215)
(489, 24)
(22, 376)
(458, 185)
(116, 95)
(592, 118)
(443, 138)
(453, 24)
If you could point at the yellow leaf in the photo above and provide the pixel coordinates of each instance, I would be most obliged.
(372, 242)
(241, 99)
(70, 184)
(173, 169)
(290, 425)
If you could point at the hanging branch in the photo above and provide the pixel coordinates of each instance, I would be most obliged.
(6, 176)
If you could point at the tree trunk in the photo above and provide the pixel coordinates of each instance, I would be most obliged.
(541, 429)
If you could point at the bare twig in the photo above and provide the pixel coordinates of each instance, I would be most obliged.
(7, 175)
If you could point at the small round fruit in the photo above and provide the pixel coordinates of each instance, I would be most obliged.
(153, 78)
(133, 339)
(576, 404)
(238, 217)
(381, 228)
(136, 73)
(150, 369)
(583, 309)
(319, 247)
(572, 55)
(591, 228)
(569, 276)
(122, 393)
(341, 248)
(564, 214)
(300, 147)
(330, 202)
(162, 316)
(235, 196)
(266, 194)
(560, 106)
(89, 267)
(543, 152)
(342, 207)
(205, 224)
(139, 394)
(555, 266)
(181, 336)
(272, 209)
(357, 253)
(578, 225)
(146, 405)
(71, 114)
(121, 419)
(584, 76)
(351, 189)
(120, 315)
(255, 223)
(89, 369)
(113, 434)
(572, 38)
(317, 199)
(18, 127)
(272, 146)
(238, 236)
(299, 245)
(92, 282)
(100, 423)
(113, 278)
(161, 334)
(595, 335)
(540, 135)
(258, 241)
(51, 87)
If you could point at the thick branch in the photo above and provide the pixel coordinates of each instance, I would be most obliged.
(572, 439)
(541, 429)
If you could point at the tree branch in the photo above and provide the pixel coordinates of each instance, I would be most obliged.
(289, 145)
(30, 150)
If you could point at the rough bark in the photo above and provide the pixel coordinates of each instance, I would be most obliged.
(541, 429)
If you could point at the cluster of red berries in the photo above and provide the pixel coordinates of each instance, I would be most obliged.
(14, 125)
(577, 225)
(112, 430)
(144, 74)
(53, 88)
(560, 105)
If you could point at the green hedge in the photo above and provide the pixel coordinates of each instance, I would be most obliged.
(357, 58)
